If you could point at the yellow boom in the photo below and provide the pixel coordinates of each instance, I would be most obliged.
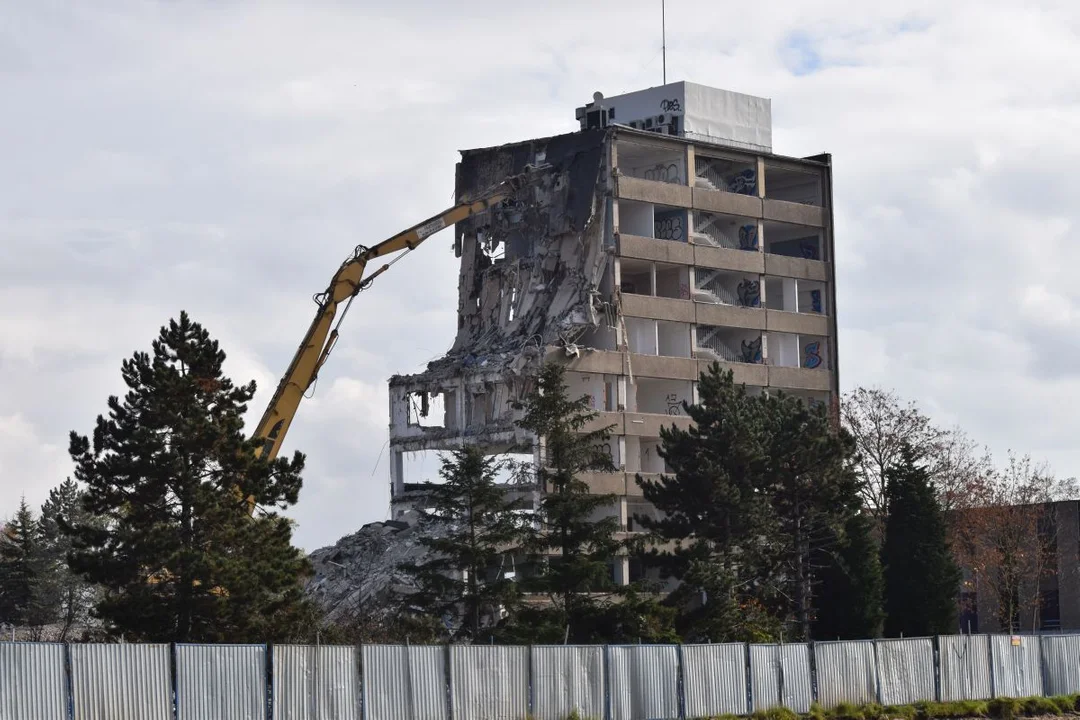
(347, 282)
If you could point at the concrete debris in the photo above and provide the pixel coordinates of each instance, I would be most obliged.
(534, 276)
(359, 573)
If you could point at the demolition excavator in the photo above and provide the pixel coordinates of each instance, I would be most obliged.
(347, 283)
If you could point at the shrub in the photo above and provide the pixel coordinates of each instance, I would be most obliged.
(1040, 706)
(1004, 708)
(1065, 703)
(873, 711)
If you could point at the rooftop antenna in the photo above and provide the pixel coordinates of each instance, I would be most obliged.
(663, 35)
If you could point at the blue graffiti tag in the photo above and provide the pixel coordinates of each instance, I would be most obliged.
(750, 293)
(815, 301)
(744, 182)
(809, 249)
(813, 355)
(748, 237)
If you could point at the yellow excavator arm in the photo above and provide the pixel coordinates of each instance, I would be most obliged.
(347, 282)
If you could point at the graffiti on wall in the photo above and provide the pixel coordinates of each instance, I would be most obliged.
(671, 226)
(809, 248)
(743, 182)
(749, 292)
(748, 237)
(812, 355)
(674, 405)
(663, 172)
(672, 105)
(751, 351)
(815, 301)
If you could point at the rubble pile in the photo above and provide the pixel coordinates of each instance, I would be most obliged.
(360, 571)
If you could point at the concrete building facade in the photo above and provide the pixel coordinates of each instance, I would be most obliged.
(664, 236)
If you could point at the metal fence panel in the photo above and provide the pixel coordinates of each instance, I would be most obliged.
(404, 682)
(764, 676)
(567, 679)
(121, 682)
(1017, 672)
(33, 681)
(796, 689)
(644, 682)
(845, 672)
(965, 667)
(316, 682)
(1061, 664)
(221, 682)
(905, 670)
(489, 682)
(714, 679)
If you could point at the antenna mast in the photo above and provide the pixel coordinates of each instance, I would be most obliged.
(663, 35)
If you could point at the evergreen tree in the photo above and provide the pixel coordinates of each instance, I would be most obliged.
(575, 539)
(762, 487)
(712, 509)
(812, 490)
(921, 577)
(849, 602)
(167, 472)
(464, 578)
(67, 596)
(21, 571)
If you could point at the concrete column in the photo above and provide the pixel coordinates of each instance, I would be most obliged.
(761, 177)
(691, 170)
(397, 472)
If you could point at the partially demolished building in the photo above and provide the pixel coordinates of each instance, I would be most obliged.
(666, 235)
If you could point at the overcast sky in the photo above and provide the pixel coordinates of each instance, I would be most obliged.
(224, 157)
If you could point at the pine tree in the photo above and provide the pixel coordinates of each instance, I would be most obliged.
(464, 578)
(167, 472)
(921, 577)
(711, 507)
(575, 540)
(21, 571)
(849, 601)
(812, 489)
(66, 595)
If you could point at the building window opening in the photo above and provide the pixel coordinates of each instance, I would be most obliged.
(793, 241)
(733, 345)
(726, 288)
(726, 231)
(724, 175)
(793, 186)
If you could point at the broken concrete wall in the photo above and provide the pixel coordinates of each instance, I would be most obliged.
(534, 274)
(530, 272)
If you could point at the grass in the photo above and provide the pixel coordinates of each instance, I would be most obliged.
(996, 709)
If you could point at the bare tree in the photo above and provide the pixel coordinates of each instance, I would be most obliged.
(959, 469)
(882, 424)
(1007, 535)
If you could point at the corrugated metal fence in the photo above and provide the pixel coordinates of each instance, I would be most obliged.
(43, 681)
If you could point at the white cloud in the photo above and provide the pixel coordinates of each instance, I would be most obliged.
(224, 158)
